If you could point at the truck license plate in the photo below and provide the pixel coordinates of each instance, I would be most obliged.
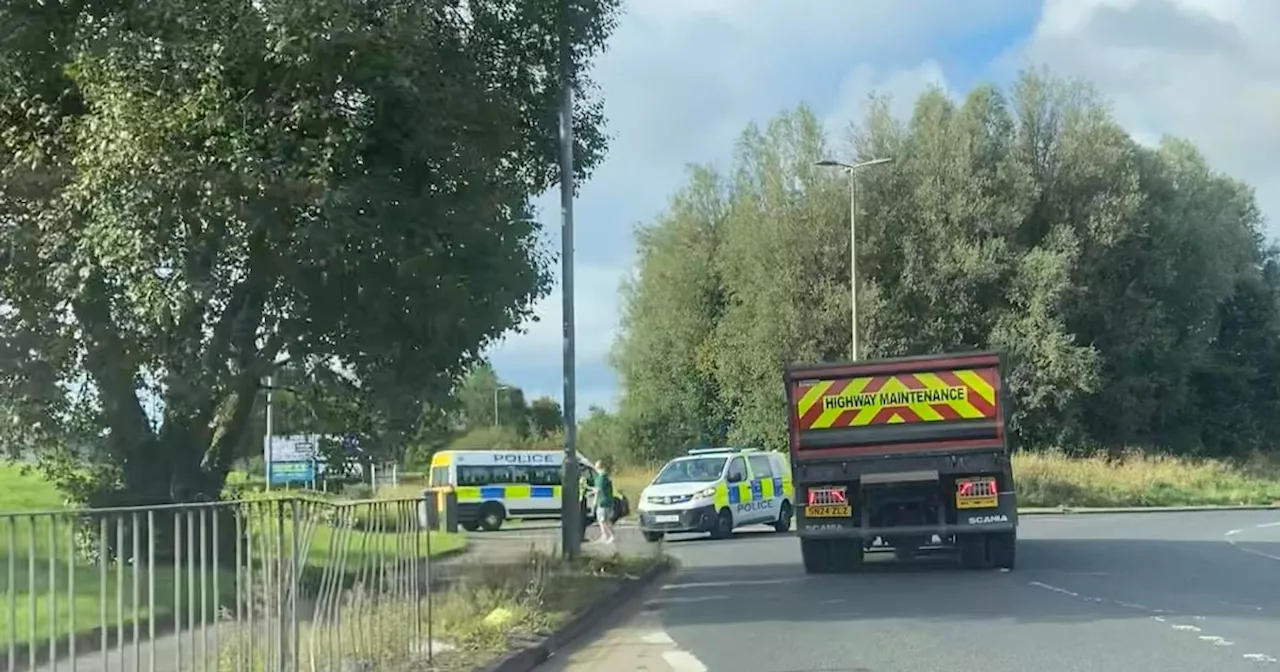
(668, 518)
(828, 511)
(977, 493)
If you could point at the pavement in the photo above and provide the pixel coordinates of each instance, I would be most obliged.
(1150, 592)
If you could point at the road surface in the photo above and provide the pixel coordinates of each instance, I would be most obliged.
(1132, 592)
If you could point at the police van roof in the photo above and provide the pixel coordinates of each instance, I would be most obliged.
(508, 456)
(726, 450)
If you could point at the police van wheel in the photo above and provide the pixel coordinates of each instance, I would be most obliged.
(492, 514)
(471, 526)
(724, 525)
(972, 549)
(1002, 549)
(653, 537)
(784, 518)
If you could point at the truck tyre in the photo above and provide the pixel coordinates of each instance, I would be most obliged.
(784, 518)
(1002, 549)
(653, 537)
(972, 549)
(724, 525)
(817, 555)
(491, 516)
(848, 554)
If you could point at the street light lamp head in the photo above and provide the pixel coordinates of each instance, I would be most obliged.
(828, 163)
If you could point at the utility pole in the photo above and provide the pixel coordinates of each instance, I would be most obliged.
(852, 169)
(570, 524)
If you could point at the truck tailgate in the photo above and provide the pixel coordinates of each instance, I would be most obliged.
(943, 403)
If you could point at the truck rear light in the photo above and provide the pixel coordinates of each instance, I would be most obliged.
(827, 494)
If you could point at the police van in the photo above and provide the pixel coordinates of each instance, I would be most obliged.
(494, 486)
(717, 490)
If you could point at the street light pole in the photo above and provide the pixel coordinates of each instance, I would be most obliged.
(570, 525)
(496, 390)
(852, 169)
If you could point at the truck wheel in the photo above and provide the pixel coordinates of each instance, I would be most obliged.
(653, 537)
(906, 548)
(972, 549)
(724, 525)
(848, 554)
(784, 518)
(1002, 549)
(817, 555)
(491, 516)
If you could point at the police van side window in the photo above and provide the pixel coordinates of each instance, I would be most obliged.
(737, 470)
(760, 467)
(501, 474)
(545, 475)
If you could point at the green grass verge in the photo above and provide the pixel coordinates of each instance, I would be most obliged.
(60, 592)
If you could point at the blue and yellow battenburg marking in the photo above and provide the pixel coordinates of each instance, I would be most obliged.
(484, 493)
(755, 490)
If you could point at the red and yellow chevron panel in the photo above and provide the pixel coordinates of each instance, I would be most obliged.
(933, 396)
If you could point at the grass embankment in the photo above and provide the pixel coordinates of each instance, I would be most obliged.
(71, 588)
(1054, 479)
(490, 610)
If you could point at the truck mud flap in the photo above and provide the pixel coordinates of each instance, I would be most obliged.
(1004, 516)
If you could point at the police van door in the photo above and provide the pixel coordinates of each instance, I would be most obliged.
(768, 498)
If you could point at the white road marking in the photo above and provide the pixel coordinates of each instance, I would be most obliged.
(688, 600)
(658, 637)
(728, 584)
(1231, 535)
(1156, 616)
(1055, 589)
(1241, 605)
(683, 661)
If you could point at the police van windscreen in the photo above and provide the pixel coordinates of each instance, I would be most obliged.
(692, 470)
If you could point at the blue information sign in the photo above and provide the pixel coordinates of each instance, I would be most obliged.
(292, 472)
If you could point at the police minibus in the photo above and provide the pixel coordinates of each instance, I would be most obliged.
(717, 490)
(494, 486)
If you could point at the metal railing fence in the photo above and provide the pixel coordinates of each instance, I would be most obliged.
(263, 586)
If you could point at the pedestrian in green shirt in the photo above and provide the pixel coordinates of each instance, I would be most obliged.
(604, 501)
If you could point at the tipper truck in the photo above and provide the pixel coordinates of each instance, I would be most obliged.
(911, 453)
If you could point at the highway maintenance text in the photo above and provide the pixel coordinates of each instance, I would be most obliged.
(896, 398)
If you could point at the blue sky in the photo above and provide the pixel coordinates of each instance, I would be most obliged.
(682, 78)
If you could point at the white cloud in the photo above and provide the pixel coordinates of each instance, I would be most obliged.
(1206, 70)
(595, 316)
(902, 87)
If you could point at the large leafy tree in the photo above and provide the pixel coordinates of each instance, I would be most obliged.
(190, 191)
(1129, 285)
